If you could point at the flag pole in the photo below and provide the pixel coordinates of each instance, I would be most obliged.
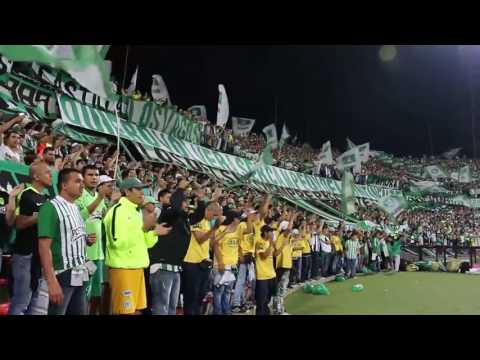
(116, 113)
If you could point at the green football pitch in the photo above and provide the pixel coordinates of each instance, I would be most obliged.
(405, 293)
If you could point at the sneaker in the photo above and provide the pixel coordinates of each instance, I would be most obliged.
(244, 309)
(236, 310)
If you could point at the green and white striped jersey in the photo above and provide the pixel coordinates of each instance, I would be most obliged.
(61, 221)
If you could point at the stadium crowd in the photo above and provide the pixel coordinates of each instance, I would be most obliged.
(159, 239)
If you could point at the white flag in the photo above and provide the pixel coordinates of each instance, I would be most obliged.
(133, 83)
(198, 111)
(270, 132)
(325, 156)
(393, 204)
(242, 126)
(223, 108)
(364, 151)
(435, 172)
(465, 176)
(83, 62)
(159, 89)
(285, 135)
(450, 154)
(350, 144)
(350, 158)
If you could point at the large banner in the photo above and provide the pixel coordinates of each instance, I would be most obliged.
(228, 167)
(33, 90)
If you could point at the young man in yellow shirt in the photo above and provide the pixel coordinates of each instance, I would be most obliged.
(197, 264)
(297, 247)
(246, 268)
(226, 250)
(306, 252)
(265, 283)
(257, 219)
(283, 253)
(337, 252)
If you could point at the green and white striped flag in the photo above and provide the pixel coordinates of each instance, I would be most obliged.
(265, 159)
(465, 175)
(350, 144)
(348, 159)
(270, 132)
(348, 197)
(83, 62)
(285, 135)
(435, 172)
(428, 187)
(393, 204)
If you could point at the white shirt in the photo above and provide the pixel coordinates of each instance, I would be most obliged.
(8, 154)
(326, 247)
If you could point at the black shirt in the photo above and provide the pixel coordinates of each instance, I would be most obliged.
(26, 239)
(4, 228)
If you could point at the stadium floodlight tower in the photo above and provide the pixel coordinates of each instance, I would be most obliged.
(470, 58)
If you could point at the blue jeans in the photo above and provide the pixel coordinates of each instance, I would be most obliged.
(282, 283)
(326, 261)
(351, 267)
(22, 291)
(165, 287)
(221, 298)
(239, 293)
(74, 297)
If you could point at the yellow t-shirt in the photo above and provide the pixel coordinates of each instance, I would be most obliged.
(306, 244)
(196, 252)
(228, 246)
(284, 259)
(297, 246)
(257, 225)
(247, 242)
(337, 243)
(264, 267)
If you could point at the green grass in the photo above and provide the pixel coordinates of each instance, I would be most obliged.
(405, 293)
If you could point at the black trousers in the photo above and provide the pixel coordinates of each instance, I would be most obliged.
(315, 264)
(306, 267)
(194, 281)
(263, 293)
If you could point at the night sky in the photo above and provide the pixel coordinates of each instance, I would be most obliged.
(324, 92)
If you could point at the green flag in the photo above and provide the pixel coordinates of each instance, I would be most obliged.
(83, 62)
(348, 197)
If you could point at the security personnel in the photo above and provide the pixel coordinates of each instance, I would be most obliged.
(129, 236)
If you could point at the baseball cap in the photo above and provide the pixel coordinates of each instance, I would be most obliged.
(283, 225)
(104, 179)
(295, 232)
(150, 200)
(132, 182)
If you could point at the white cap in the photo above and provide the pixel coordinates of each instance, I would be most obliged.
(283, 225)
(75, 144)
(295, 232)
(104, 179)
